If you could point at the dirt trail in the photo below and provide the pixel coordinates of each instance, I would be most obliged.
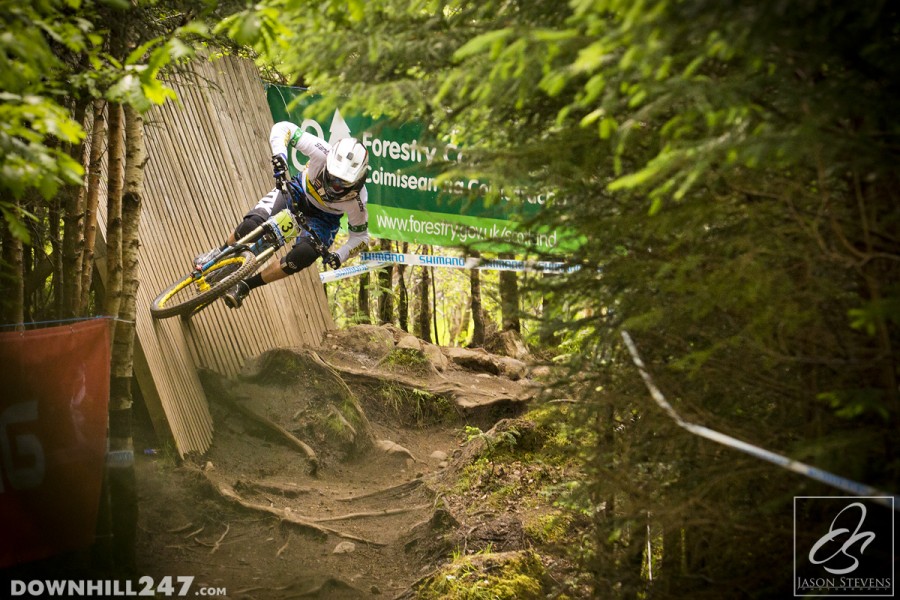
(253, 517)
(264, 556)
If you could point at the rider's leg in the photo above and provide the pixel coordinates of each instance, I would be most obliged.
(267, 206)
(277, 270)
(302, 255)
(256, 216)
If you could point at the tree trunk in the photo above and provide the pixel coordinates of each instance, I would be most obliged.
(122, 487)
(114, 213)
(95, 164)
(547, 333)
(672, 560)
(434, 308)
(385, 294)
(37, 266)
(363, 314)
(477, 310)
(73, 231)
(13, 300)
(403, 295)
(462, 323)
(54, 216)
(423, 316)
(28, 262)
(509, 299)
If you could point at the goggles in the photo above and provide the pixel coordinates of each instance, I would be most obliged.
(334, 185)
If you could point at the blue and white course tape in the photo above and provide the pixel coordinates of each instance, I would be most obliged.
(836, 481)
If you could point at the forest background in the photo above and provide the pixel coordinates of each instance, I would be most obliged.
(732, 168)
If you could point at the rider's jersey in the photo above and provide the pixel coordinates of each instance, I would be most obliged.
(287, 135)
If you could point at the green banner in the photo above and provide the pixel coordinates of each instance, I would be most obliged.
(406, 203)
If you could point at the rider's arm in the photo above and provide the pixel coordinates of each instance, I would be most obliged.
(286, 135)
(358, 227)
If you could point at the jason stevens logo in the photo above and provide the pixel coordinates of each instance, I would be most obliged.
(843, 546)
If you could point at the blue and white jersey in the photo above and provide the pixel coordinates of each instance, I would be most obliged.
(286, 135)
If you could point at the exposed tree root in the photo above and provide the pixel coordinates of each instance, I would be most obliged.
(373, 513)
(394, 490)
(464, 396)
(219, 541)
(329, 584)
(195, 532)
(285, 490)
(286, 435)
(305, 523)
(214, 382)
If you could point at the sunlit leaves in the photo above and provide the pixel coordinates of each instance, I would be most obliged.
(258, 27)
(875, 314)
(34, 126)
(732, 167)
(138, 83)
(32, 123)
(855, 403)
(139, 88)
(490, 43)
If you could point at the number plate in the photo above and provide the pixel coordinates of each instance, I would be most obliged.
(285, 225)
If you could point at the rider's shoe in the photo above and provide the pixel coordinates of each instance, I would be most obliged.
(202, 259)
(235, 296)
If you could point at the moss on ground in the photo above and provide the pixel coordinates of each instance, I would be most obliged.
(409, 360)
(525, 472)
(412, 406)
(550, 528)
(487, 576)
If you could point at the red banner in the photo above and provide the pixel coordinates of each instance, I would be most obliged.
(54, 391)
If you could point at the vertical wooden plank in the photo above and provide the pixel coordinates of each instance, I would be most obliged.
(208, 165)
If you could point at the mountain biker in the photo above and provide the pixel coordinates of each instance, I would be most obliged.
(331, 184)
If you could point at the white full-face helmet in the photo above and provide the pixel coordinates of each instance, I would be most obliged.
(345, 169)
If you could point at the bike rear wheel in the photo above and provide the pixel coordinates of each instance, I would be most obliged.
(191, 294)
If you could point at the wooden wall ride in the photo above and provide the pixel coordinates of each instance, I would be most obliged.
(209, 162)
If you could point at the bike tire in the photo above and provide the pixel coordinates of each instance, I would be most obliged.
(177, 299)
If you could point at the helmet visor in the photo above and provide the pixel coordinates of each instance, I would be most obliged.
(334, 185)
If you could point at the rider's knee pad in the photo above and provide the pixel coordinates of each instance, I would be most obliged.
(300, 256)
(251, 221)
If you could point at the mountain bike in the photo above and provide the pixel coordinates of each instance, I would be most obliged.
(207, 282)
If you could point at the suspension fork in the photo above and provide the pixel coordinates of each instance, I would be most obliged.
(252, 239)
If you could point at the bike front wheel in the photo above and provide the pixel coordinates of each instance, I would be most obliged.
(194, 292)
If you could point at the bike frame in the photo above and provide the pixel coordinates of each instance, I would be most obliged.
(273, 226)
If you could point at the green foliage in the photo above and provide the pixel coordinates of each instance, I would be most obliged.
(256, 26)
(851, 404)
(472, 475)
(471, 432)
(496, 442)
(32, 121)
(50, 54)
(411, 406)
(550, 528)
(733, 170)
(487, 576)
(408, 359)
